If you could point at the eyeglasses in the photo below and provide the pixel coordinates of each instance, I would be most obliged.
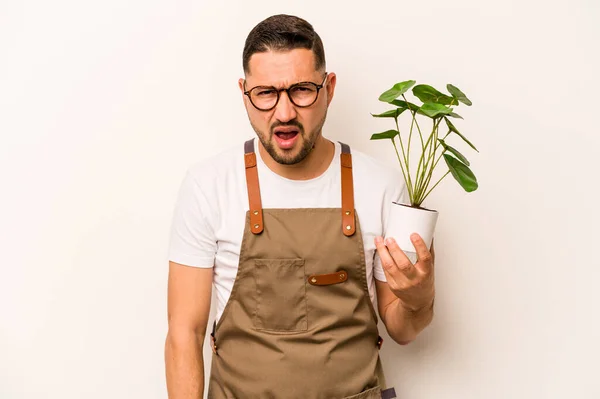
(302, 94)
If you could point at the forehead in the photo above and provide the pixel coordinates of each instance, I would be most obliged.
(281, 68)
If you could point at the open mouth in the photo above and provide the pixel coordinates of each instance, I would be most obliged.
(286, 136)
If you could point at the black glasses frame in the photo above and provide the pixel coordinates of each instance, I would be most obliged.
(287, 90)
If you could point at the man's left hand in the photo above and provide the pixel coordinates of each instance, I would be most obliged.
(412, 283)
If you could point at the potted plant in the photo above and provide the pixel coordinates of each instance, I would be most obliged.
(436, 107)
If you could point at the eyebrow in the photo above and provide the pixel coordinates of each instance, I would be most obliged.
(282, 86)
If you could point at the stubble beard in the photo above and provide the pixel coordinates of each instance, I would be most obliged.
(308, 143)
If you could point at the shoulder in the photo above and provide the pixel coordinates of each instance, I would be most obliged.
(375, 173)
(217, 167)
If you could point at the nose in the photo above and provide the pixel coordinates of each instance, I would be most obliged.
(285, 110)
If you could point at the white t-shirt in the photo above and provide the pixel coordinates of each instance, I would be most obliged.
(209, 216)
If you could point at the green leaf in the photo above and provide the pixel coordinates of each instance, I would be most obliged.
(428, 94)
(388, 134)
(461, 172)
(404, 104)
(396, 91)
(432, 110)
(455, 130)
(455, 115)
(455, 152)
(392, 113)
(459, 95)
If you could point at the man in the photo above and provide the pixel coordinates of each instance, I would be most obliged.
(294, 267)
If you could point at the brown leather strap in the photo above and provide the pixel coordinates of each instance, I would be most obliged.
(348, 213)
(328, 279)
(254, 201)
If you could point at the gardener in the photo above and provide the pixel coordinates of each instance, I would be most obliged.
(287, 228)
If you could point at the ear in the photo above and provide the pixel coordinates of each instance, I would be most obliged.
(241, 82)
(330, 85)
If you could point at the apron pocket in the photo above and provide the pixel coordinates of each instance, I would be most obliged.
(280, 295)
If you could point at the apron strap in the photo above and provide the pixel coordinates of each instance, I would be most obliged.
(348, 220)
(254, 201)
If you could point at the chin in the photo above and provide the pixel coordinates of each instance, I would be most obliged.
(290, 156)
(287, 158)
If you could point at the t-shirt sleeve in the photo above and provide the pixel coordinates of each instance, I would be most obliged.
(395, 192)
(192, 240)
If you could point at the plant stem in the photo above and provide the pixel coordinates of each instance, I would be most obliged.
(402, 167)
(414, 114)
(420, 162)
(439, 144)
(414, 122)
(423, 183)
(406, 160)
(421, 187)
(435, 185)
(434, 166)
(432, 156)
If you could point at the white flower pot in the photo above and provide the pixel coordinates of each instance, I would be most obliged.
(403, 220)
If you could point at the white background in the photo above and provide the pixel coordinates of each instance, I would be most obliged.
(103, 106)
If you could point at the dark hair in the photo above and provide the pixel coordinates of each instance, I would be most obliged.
(283, 33)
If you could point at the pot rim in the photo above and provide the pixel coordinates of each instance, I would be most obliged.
(414, 207)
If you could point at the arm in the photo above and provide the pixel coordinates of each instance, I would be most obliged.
(405, 301)
(402, 324)
(189, 294)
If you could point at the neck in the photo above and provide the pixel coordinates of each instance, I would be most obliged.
(314, 165)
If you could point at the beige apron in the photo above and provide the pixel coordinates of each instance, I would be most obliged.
(299, 322)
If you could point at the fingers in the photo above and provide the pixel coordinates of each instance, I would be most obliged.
(395, 263)
(400, 258)
(413, 284)
(425, 258)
